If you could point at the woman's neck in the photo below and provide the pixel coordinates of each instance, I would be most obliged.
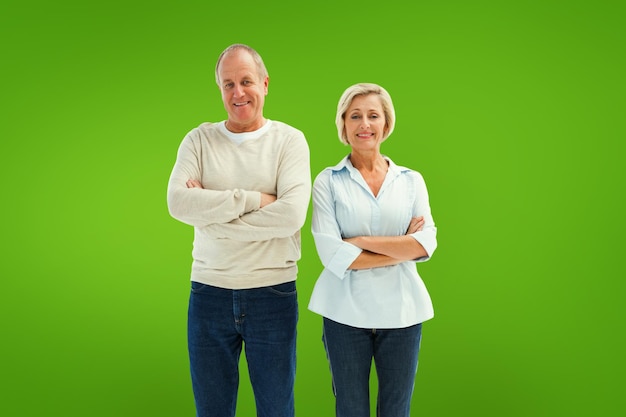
(369, 162)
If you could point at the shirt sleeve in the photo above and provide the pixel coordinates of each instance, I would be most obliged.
(202, 207)
(427, 237)
(285, 216)
(335, 254)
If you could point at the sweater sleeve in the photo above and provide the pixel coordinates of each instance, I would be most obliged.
(285, 216)
(203, 207)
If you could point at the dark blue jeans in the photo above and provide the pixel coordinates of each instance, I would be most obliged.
(263, 321)
(350, 351)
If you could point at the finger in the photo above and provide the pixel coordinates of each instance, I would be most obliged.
(417, 224)
(413, 226)
(194, 184)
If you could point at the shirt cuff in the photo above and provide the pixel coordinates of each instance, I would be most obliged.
(342, 260)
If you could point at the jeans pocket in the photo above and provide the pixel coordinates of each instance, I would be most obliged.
(198, 287)
(285, 289)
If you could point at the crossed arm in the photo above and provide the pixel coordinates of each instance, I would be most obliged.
(381, 251)
(237, 213)
(265, 198)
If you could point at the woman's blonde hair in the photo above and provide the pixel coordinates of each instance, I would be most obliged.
(363, 89)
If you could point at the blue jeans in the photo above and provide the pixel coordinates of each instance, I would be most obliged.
(220, 322)
(350, 351)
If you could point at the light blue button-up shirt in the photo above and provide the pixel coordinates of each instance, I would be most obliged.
(343, 207)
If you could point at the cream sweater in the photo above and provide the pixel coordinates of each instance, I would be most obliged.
(236, 243)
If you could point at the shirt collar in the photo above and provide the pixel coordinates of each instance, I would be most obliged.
(345, 163)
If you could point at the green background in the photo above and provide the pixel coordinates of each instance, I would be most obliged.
(512, 111)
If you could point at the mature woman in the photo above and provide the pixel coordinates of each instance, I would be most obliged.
(371, 224)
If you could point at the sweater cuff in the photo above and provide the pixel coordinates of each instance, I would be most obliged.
(252, 201)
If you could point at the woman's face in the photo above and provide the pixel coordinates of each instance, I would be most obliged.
(365, 123)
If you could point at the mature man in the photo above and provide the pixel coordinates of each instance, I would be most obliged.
(244, 185)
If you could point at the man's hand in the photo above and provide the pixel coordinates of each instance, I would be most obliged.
(267, 199)
(194, 184)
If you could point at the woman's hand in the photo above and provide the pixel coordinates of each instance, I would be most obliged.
(416, 224)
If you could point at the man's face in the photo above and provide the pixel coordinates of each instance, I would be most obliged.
(243, 91)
